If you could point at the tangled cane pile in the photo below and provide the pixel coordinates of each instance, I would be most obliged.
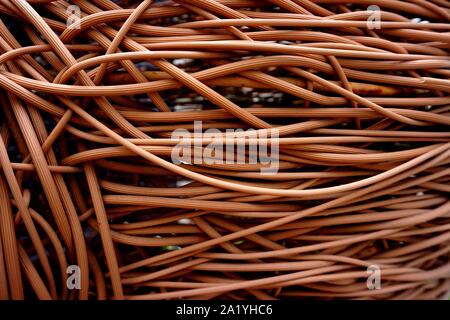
(360, 99)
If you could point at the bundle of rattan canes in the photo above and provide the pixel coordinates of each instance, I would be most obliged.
(224, 149)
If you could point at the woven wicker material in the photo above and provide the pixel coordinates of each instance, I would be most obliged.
(91, 93)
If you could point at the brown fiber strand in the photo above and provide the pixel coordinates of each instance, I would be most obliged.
(87, 115)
